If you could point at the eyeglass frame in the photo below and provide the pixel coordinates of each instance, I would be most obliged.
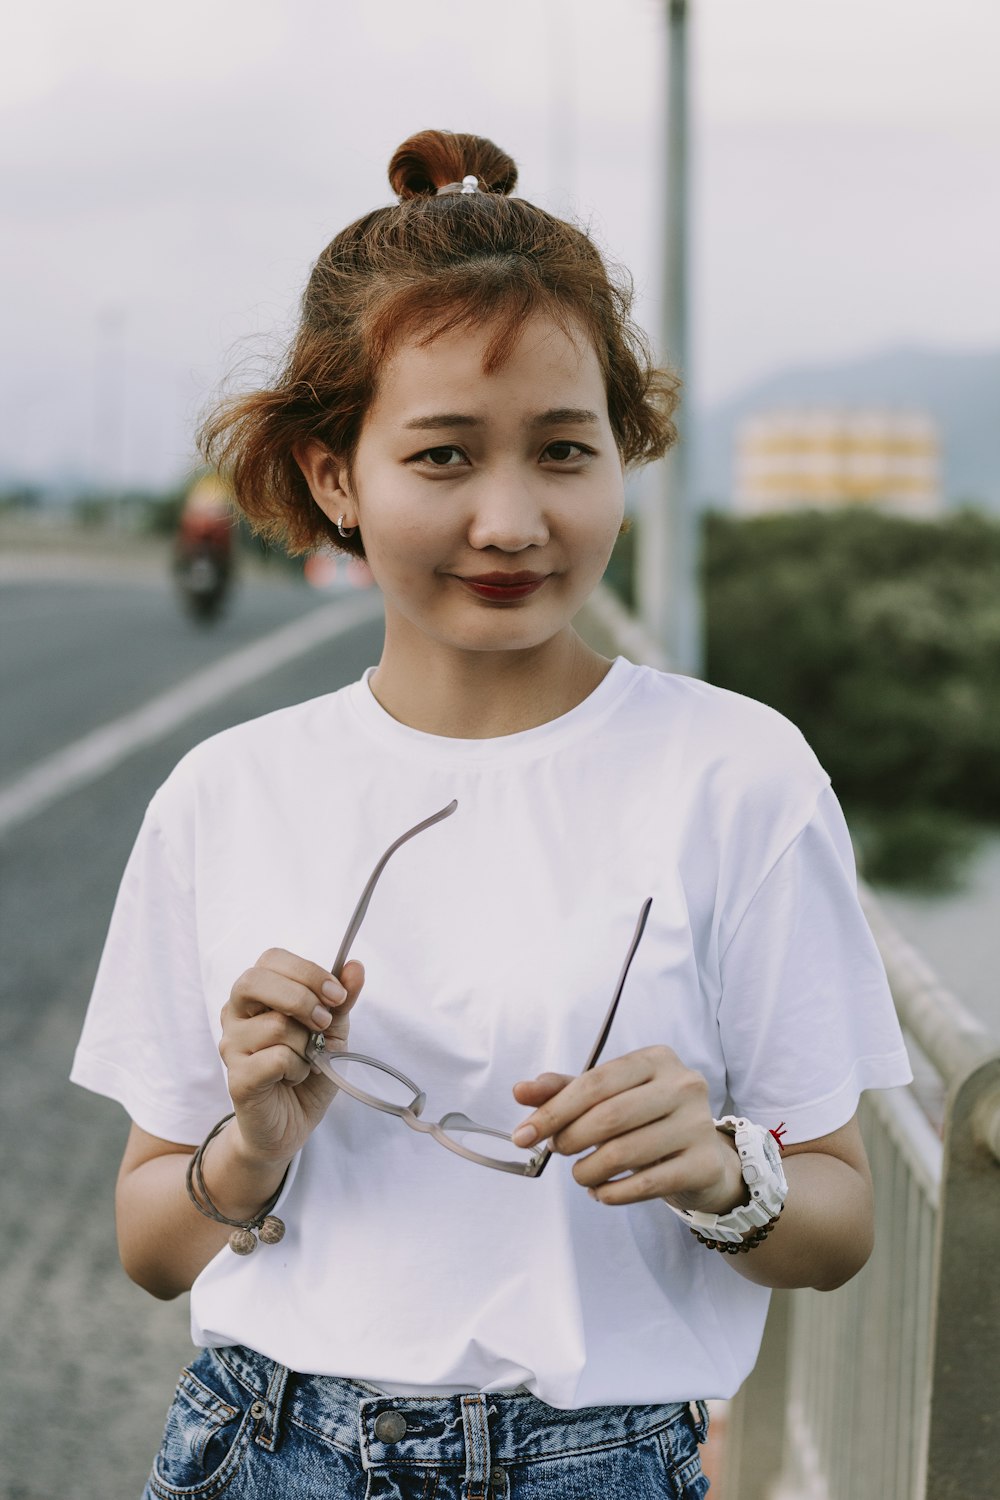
(316, 1052)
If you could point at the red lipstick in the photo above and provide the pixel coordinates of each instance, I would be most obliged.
(504, 587)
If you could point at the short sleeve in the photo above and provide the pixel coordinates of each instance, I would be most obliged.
(146, 1040)
(806, 1016)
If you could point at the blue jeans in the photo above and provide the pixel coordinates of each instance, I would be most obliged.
(243, 1428)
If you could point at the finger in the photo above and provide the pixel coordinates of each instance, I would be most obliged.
(304, 972)
(535, 1091)
(338, 1030)
(638, 1187)
(687, 1170)
(673, 1093)
(647, 1146)
(256, 988)
(581, 1094)
(257, 1073)
(269, 1028)
(351, 980)
(618, 1116)
(263, 989)
(665, 1179)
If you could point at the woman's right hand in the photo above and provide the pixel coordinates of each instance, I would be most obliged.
(272, 1011)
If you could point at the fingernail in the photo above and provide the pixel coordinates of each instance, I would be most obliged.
(334, 990)
(322, 1017)
(524, 1135)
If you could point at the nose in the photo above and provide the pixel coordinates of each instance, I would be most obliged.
(508, 514)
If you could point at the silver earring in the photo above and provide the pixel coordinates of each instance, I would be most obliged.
(345, 530)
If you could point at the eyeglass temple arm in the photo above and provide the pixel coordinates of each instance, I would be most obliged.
(598, 1047)
(640, 927)
(354, 925)
(316, 1043)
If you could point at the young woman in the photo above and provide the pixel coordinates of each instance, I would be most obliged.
(459, 405)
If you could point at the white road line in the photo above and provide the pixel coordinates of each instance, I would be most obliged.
(100, 751)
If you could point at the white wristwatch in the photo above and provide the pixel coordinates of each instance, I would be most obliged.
(760, 1162)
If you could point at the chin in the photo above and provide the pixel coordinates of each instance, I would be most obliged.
(506, 641)
(507, 630)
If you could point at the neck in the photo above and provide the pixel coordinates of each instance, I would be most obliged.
(478, 695)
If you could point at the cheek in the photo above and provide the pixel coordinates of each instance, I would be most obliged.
(401, 544)
(389, 523)
(597, 526)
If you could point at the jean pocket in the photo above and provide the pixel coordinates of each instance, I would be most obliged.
(689, 1480)
(682, 1461)
(204, 1441)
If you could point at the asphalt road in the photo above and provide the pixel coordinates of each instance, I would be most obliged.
(87, 1361)
(75, 655)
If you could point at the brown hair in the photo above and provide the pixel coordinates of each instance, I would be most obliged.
(438, 260)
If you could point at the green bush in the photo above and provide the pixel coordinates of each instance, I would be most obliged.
(880, 638)
(918, 848)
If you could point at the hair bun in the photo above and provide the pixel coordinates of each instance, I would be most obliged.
(434, 159)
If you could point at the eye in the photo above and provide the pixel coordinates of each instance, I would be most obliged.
(567, 453)
(441, 458)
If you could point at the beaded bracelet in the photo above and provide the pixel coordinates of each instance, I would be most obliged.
(740, 1247)
(264, 1226)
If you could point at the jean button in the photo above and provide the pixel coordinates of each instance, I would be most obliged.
(390, 1426)
(258, 1410)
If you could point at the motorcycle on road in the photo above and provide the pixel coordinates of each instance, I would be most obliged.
(204, 551)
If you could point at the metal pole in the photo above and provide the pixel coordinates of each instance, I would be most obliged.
(667, 582)
(563, 120)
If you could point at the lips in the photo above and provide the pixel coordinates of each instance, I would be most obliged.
(504, 587)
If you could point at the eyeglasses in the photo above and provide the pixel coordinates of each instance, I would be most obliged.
(383, 1087)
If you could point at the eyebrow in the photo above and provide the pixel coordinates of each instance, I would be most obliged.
(556, 416)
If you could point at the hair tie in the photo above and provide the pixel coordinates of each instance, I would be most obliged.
(468, 184)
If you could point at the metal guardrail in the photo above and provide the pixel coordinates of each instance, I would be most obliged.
(888, 1388)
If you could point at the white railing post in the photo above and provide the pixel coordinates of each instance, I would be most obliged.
(963, 1452)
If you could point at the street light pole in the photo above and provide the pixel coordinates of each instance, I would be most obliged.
(667, 564)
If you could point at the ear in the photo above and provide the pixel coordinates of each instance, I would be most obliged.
(327, 478)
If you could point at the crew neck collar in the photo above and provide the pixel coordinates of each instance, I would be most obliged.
(523, 744)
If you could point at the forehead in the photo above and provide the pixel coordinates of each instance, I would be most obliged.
(546, 361)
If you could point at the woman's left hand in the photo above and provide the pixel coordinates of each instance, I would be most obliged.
(644, 1115)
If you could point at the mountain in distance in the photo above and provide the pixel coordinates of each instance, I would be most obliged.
(959, 390)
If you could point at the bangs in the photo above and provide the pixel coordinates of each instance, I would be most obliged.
(502, 294)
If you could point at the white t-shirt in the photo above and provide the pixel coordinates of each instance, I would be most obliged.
(491, 947)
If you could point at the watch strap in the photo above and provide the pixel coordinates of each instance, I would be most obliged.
(748, 1223)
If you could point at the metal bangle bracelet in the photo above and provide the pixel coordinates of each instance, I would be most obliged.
(264, 1226)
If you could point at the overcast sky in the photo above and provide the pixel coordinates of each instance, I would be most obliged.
(169, 172)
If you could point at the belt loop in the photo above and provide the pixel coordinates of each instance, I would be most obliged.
(699, 1419)
(268, 1434)
(477, 1448)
